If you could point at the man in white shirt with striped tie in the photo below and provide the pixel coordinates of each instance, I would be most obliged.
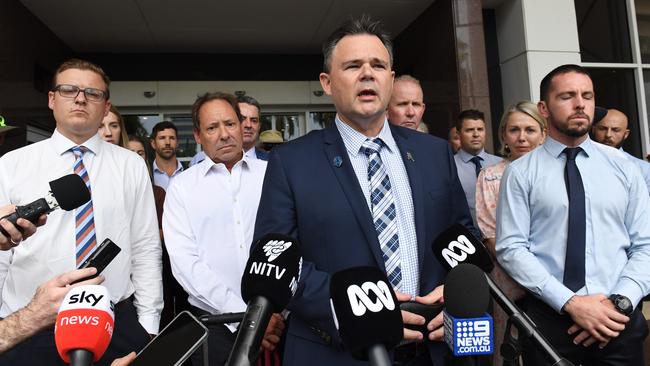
(121, 208)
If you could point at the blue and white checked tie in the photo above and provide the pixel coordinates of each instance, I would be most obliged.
(86, 241)
(383, 211)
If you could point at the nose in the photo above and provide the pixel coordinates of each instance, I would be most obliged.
(366, 72)
(522, 136)
(80, 98)
(410, 111)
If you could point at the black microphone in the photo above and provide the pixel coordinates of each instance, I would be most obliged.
(366, 313)
(468, 329)
(67, 192)
(457, 245)
(270, 280)
(220, 319)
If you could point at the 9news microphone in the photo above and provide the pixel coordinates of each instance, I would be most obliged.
(457, 245)
(270, 280)
(84, 325)
(468, 329)
(67, 192)
(366, 313)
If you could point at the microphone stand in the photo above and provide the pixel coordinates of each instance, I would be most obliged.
(525, 326)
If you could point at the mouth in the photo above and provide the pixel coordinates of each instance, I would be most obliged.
(367, 95)
(580, 116)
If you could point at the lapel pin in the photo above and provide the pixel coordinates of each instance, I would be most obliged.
(409, 156)
(337, 161)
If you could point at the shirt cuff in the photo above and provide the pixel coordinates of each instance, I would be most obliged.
(629, 289)
(150, 323)
(555, 294)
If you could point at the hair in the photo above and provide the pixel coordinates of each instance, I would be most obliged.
(526, 107)
(124, 138)
(160, 126)
(207, 97)
(406, 78)
(468, 114)
(146, 152)
(75, 63)
(249, 100)
(355, 26)
(545, 84)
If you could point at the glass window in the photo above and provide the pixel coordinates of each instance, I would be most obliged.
(320, 120)
(603, 31)
(643, 24)
(615, 89)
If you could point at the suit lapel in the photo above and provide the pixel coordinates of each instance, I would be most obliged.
(339, 162)
(407, 152)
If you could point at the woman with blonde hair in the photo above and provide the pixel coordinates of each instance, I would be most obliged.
(112, 128)
(521, 130)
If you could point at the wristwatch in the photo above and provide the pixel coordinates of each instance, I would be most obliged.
(622, 304)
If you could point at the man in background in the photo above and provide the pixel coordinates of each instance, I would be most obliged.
(164, 141)
(406, 105)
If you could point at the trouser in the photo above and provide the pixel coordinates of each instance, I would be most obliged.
(220, 342)
(626, 349)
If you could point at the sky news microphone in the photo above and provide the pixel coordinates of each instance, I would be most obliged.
(84, 325)
(468, 329)
(457, 245)
(366, 313)
(270, 280)
(67, 192)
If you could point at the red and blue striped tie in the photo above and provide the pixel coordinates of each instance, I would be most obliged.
(85, 219)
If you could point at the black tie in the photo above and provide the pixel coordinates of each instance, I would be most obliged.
(574, 263)
(477, 163)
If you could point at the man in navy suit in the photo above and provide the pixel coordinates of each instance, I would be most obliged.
(317, 188)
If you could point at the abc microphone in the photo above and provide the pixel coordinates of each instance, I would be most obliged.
(366, 313)
(84, 325)
(269, 282)
(468, 329)
(67, 192)
(457, 245)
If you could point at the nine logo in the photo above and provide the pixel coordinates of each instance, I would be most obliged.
(360, 301)
(464, 245)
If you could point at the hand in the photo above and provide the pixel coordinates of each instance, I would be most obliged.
(44, 306)
(273, 332)
(435, 326)
(124, 361)
(410, 318)
(596, 319)
(15, 236)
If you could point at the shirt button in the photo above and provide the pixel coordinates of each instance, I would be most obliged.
(238, 222)
(234, 199)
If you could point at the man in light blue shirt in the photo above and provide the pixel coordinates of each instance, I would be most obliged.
(472, 157)
(164, 143)
(612, 130)
(593, 298)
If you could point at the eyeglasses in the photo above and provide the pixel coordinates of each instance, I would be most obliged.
(71, 91)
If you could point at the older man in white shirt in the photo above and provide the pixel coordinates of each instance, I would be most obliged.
(209, 219)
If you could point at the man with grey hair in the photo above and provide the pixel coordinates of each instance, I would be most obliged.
(406, 105)
(383, 193)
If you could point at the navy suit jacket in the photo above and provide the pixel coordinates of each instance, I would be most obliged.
(309, 196)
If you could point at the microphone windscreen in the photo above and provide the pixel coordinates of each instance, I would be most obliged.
(85, 321)
(272, 270)
(466, 292)
(365, 310)
(457, 245)
(70, 191)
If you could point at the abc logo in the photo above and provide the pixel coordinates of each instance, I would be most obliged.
(360, 301)
(463, 245)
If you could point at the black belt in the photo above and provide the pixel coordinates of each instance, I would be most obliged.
(409, 351)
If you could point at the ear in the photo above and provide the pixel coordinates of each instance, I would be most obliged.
(627, 133)
(325, 82)
(152, 142)
(197, 137)
(543, 109)
(50, 100)
(108, 108)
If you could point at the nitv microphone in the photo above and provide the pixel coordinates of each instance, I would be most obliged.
(67, 192)
(468, 329)
(84, 325)
(366, 313)
(457, 245)
(270, 280)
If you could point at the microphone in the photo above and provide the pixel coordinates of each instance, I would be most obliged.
(366, 313)
(220, 319)
(67, 192)
(457, 245)
(269, 282)
(468, 329)
(84, 325)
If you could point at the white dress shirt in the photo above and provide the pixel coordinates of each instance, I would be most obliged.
(208, 223)
(124, 211)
